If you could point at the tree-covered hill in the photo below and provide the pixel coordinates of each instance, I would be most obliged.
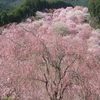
(6, 8)
(7, 1)
(8, 5)
(77, 2)
(14, 3)
(17, 3)
(29, 8)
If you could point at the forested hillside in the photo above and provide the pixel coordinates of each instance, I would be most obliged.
(31, 6)
(7, 1)
(28, 9)
(17, 3)
(14, 3)
(5, 5)
(6, 8)
(78, 2)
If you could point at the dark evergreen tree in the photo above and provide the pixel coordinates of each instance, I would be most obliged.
(3, 18)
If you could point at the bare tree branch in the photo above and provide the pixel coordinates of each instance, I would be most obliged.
(37, 79)
(47, 87)
(27, 30)
(17, 43)
(67, 68)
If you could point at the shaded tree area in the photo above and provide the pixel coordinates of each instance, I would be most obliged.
(28, 9)
(94, 9)
(58, 4)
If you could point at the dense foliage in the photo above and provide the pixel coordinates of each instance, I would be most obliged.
(94, 9)
(28, 9)
(54, 58)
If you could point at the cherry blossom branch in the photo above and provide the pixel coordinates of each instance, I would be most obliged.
(67, 68)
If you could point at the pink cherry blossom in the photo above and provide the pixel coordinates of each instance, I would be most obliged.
(55, 57)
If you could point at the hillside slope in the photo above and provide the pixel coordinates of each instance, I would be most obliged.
(28, 9)
(77, 2)
(7, 1)
(17, 3)
(6, 8)
(14, 3)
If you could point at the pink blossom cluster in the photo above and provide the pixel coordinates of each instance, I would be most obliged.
(32, 54)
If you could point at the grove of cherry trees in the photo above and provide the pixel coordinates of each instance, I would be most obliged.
(55, 57)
